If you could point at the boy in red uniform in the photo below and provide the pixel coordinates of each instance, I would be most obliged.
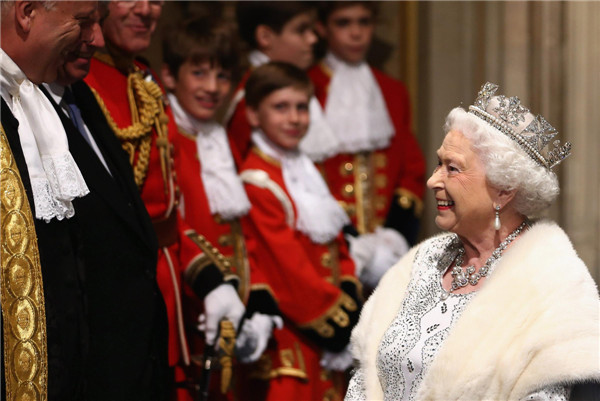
(200, 59)
(295, 234)
(376, 169)
(275, 31)
(132, 103)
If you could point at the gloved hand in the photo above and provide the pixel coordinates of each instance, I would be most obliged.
(255, 334)
(362, 250)
(390, 247)
(222, 302)
(338, 361)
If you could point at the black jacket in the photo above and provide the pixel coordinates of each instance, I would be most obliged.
(127, 358)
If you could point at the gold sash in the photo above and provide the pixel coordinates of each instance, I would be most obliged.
(21, 292)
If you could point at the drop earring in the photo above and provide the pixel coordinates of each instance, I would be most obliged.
(497, 219)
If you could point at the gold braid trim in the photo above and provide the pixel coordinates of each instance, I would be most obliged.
(210, 255)
(147, 111)
(21, 292)
(336, 313)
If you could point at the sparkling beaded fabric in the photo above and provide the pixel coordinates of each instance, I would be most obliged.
(424, 321)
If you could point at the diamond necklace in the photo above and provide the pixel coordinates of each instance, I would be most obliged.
(463, 276)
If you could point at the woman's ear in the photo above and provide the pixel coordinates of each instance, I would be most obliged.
(168, 78)
(252, 116)
(504, 197)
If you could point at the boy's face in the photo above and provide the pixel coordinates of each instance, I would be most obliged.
(200, 88)
(283, 116)
(349, 31)
(293, 44)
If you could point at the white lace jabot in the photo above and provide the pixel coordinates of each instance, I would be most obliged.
(224, 188)
(54, 175)
(319, 215)
(356, 110)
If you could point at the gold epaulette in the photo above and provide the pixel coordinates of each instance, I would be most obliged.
(22, 291)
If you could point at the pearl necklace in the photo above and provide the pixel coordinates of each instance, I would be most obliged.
(463, 276)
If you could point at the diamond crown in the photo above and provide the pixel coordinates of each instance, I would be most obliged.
(532, 133)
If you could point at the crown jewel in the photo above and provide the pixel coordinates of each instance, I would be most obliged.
(514, 120)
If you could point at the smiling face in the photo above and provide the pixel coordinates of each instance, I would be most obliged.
(77, 64)
(130, 24)
(283, 116)
(464, 197)
(293, 44)
(200, 88)
(56, 33)
(349, 31)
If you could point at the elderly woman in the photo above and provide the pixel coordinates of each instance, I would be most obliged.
(500, 307)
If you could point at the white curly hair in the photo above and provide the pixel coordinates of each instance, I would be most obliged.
(507, 166)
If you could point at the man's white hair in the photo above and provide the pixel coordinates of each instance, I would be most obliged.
(48, 5)
(507, 166)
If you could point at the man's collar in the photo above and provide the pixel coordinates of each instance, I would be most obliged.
(55, 90)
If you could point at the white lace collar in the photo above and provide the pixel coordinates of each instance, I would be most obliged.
(223, 187)
(356, 110)
(318, 214)
(54, 175)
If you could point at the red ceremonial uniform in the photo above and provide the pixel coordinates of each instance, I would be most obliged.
(150, 154)
(226, 235)
(314, 285)
(236, 123)
(366, 183)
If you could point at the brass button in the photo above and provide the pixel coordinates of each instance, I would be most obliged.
(348, 190)
(380, 181)
(380, 202)
(326, 259)
(346, 168)
(405, 202)
(363, 176)
(380, 160)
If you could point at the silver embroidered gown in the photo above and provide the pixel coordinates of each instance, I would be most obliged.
(414, 337)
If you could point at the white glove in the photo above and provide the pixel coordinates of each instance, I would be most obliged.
(362, 250)
(391, 246)
(255, 334)
(222, 302)
(339, 361)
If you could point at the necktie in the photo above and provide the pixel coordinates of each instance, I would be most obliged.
(75, 114)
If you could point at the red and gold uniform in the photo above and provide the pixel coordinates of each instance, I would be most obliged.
(237, 126)
(134, 108)
(314, 285)
(378, 187)
(226, 235)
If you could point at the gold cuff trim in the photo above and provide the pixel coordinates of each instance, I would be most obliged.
(357, 283)
(22, 290)
(264, 287)
(210, 251)
(335, 313)
(408, 199)
(287, 356)
(196, 267)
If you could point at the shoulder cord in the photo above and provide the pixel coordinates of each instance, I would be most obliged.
(147, 111)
